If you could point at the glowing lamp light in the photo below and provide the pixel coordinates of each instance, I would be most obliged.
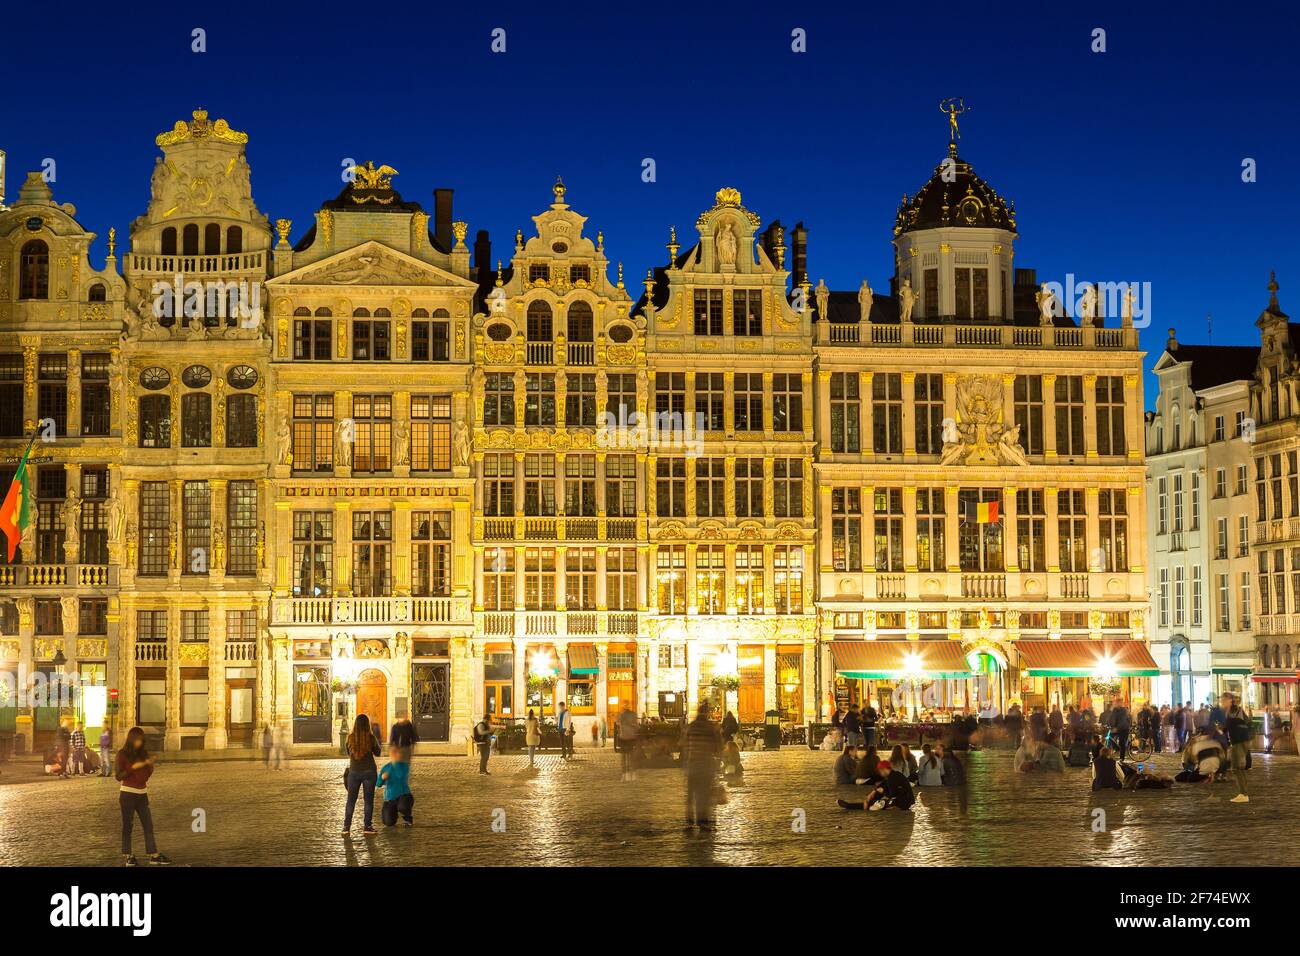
(724, 663)
(540, 664)
(791, 688)
(1105, 669)
(912, 663)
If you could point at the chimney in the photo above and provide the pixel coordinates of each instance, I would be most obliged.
(770, 237)
(798, 255)
(442, 218)
(482, 255)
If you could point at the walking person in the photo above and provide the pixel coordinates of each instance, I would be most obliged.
(483, 741)
(404, 737)
(106, 753)
(532, 737)
(1237, 724)
(1156, 730)
(362, 774)
(78, 743)
(280, 745)
(267, 743)
(133, 768)
(627, 732)
(700, 750)
(564, 724)
(1120, 724)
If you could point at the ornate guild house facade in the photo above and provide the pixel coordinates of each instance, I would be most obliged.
(374, 470)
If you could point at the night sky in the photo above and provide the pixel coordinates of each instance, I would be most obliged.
(1125, 166)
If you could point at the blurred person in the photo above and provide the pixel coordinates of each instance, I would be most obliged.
(532, 736)
(628, 734)
(564, 724)
(846, 765)
(700, 750)
(279, 745)
(404, 736)
(106, 753)
(892, 793)
(394, 778)
(78, 745)
(1049, 755)
(729, 726)
(482, 735)
(954, 771)
(1105, 771)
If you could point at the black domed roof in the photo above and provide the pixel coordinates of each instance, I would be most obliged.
(955, 196)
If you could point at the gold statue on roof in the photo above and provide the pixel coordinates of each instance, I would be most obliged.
(368, 177)
(954, 106)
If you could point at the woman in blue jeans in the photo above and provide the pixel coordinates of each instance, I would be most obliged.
(362, 773)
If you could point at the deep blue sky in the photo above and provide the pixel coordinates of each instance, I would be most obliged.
(1124, 165)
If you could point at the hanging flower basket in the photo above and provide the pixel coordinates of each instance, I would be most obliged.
(341, 686)
(725, 683)
(1101, 687)
(538, 682)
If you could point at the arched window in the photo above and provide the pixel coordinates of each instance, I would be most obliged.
(540, 323)
(211, 239)
(581, 324)
(169, 241)
(97, 293)
(190, 240)
(234, 239)
(1180, 672)
(34, 271)
(196, 420)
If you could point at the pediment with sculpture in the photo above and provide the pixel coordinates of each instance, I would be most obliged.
(371, 264)
(979, 433)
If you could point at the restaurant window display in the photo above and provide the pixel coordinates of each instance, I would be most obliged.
(543, 675)
(311, 704)
(581, 685)
(498, 682)
(789, 684)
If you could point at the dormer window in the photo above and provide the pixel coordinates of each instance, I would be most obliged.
(580, 274)
(972, 293)
(539, 272)
(34, 271)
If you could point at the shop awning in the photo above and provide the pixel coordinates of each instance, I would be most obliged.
(582, 659)
(1275, 677)
(886, 660)
(1230, 670)
(1086, 659)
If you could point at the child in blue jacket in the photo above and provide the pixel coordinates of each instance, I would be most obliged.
(395, 777)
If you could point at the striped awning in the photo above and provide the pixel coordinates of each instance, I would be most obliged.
(1275, 677)
(885, 660)
(1086, 659)
(582, 659)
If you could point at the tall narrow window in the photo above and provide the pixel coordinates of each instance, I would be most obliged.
(787, 578)
(539, 485)
(499, 399)
(372, 537)
(52, 391)
(749, 487)
(620, 486)
(930, 528)
(539, 400)
(710, 400)
(499, 579)
(670, 487)
(1031, 525)
(1072, 530)
(1069, 415)
(34, 271)
(313, 336)
(750, 573)
(747, 311)
(155, 525)
(787, 487)
(95, 399)
(889, 529)
(1112, 506)
(1110, 415)
(846, 413)
(580, 401)
(313, 433)
(499, 484)
(979, 543)
(539, 579)
(197, 515)
(710, 579)
(708, 311)
(748, 402)
(1028, 402)
(580, 485)
(787, 403)
(887, 413)
(372, 448)
(580, 579)
(94, 515)
(846, 529)
(430, 337)
(313, 553)
(431, 553)
(430, 433)
(241, 522)
(928, 397)
(51, 496)
(670, 579)
(196, 420)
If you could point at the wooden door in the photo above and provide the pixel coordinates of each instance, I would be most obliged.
(372, 700)
(240, 711)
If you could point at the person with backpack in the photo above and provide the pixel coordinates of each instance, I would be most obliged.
(1120, 726)
(482, 735)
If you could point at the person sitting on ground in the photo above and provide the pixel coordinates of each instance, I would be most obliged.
(892, 793)
(929, 771)
(1026, 757)
(846, 765)
(731, 767)
(954, 771)
(1204, 759)
(1049, 755)
(901, 758)
(1145, 777)
(1105, 771)
(867, 775)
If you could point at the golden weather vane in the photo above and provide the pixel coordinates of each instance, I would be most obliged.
(954, 106)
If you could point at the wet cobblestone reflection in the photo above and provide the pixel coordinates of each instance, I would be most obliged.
(581, 813)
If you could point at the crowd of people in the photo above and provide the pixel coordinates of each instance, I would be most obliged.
(890, 780)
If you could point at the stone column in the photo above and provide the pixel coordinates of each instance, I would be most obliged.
(216, 737)
(74, 394)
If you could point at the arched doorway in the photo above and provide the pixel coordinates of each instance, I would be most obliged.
(372, 700)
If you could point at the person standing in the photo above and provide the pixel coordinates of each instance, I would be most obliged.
(700, 749)
(532, 736)
(1237, 724)
(395, 777)
(133, 768)
(404, 737)
(1056, 721)
(869, 720)
(362, 774)
(267, 744)
(729, 726)
(106, 753)
(483, 741)
(1121, 724)
(564, 724)
(1156, 731)
(851, 726)
(280, 745)
(628, 732)
(78, 741)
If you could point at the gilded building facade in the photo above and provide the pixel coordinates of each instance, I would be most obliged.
(373, 470)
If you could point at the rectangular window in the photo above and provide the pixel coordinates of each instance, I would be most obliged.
(972, 293)
(1180, 596)
(1112, 507)
(155, 526)
(499, 399)
(1072, 526)
(313, 553)
(670, 579)
(499, 579)
(431, 553)
(1162, 505)
(499, 484)
(787, 403)
(670, 401)
(94, 515)
(670, 487)
(889, 529)
(710, 488)
(708, 311)
(580, 579)
(539, 400)
(430, 340)
(196, 420)
(620, 486)
(372, 433)
(710, 400)
(95, 400)
(241, 519)
(749, 579)
(930, 521)
(539, 579)
(748, 402)
(1224, 601)
(749, 488)
(194, 627)
(747, 311)
(1240, 480)
(1028, 402)
(155, 421)
(52, 390)
(979, 545)
(151, 696)
(846, 413)
(539, 486)
(887, 413)
(11, 395)
(580, 485)
(430, 433)
(1197, 596)
(197, 512)
(1031, 530)
(787, 487)
(370, 340)
(1244, 616)
(313, 433)
(620, 399)
(241, 421)
(928, 406)
(372, 553)
(787, 579)
(1110, 415)
(1220, 431)
(194, 697)
(1163, 592)
(580, 401)
(92, 616)
(1220, 482)
(846, 529)
(312, 338)
(51, 502)
(930, 293)
(1196, 502)
(621, 579)
(1178, 501)
(710, 579)
(1069, 415)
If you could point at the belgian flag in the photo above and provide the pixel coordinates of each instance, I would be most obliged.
(982, 512)
(15, 513)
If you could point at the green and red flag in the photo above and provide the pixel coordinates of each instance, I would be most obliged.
(15, 513)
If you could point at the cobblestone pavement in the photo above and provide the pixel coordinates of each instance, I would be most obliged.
(581, 813)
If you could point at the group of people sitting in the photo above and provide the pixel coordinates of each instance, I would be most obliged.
(890, 780)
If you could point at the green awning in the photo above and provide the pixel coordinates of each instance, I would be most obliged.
(582, 659)
(1105, 658)
(1230, 670)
